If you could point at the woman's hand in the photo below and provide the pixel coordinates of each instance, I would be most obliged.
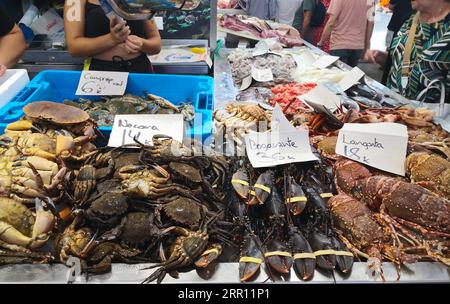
(119, 30)
(134, 44)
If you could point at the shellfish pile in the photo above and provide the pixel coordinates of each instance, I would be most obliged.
(178, 208)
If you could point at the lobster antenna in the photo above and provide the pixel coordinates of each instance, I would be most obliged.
(332, 274)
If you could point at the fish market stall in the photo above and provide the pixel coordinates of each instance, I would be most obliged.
(287, 166)
(123, 215)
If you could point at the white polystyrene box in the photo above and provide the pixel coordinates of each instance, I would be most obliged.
(12, 83)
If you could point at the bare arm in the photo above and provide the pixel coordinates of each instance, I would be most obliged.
(328, 29)
(150, 45)
(369, 32)
(12, 47)
(80, 46)
(307, 15)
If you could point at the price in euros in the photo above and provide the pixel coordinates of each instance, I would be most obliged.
(273, 157)
(91, 87)
(355, 154)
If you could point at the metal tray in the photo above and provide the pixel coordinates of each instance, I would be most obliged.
(423, 272)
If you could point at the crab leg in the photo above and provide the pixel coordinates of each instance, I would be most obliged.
(11, 235)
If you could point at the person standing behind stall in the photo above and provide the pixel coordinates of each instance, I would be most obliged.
(303, 18)
(286, 10)
(351, 27)
(110, 45)
(421, 55)
(12, 43)
(318, 30)
(262, 9)
(401, 11)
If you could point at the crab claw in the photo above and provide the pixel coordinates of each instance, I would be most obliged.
(209, 256)
(64, 144)
(89, 246)
(11, 235)
(45, 221)
(19, 126)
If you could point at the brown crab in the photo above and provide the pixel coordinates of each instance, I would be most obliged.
(166, 148)
(30, 144)
(139, 181)
(27, 177)
(424, 167)
(102, 255)
(185, 251)
(232, 124)
(74, 242)
(182, 210)
(107, 210)
(55, 116)
(138, 230)
(185, 173)
(21, 230)
(326, 146)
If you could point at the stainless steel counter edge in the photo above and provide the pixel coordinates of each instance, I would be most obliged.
(424, 272)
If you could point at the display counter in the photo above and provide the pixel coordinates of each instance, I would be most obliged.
(36, 61)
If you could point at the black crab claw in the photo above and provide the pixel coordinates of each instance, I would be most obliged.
(209, 256)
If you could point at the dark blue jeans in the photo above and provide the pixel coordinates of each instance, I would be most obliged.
(350, 57)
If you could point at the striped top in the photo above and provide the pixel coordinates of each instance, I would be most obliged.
(430, 60)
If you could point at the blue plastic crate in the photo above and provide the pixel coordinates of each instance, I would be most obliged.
(60, 85)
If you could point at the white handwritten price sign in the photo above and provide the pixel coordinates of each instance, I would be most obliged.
(325, 61)
(379, 145)
(305, 59)
(284, 145)
(98, 83)
(323, 96)
(143, 127)
(262, 75)
(351, 78)
(273, 149)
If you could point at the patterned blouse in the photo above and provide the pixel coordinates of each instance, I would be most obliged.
(430, 60)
